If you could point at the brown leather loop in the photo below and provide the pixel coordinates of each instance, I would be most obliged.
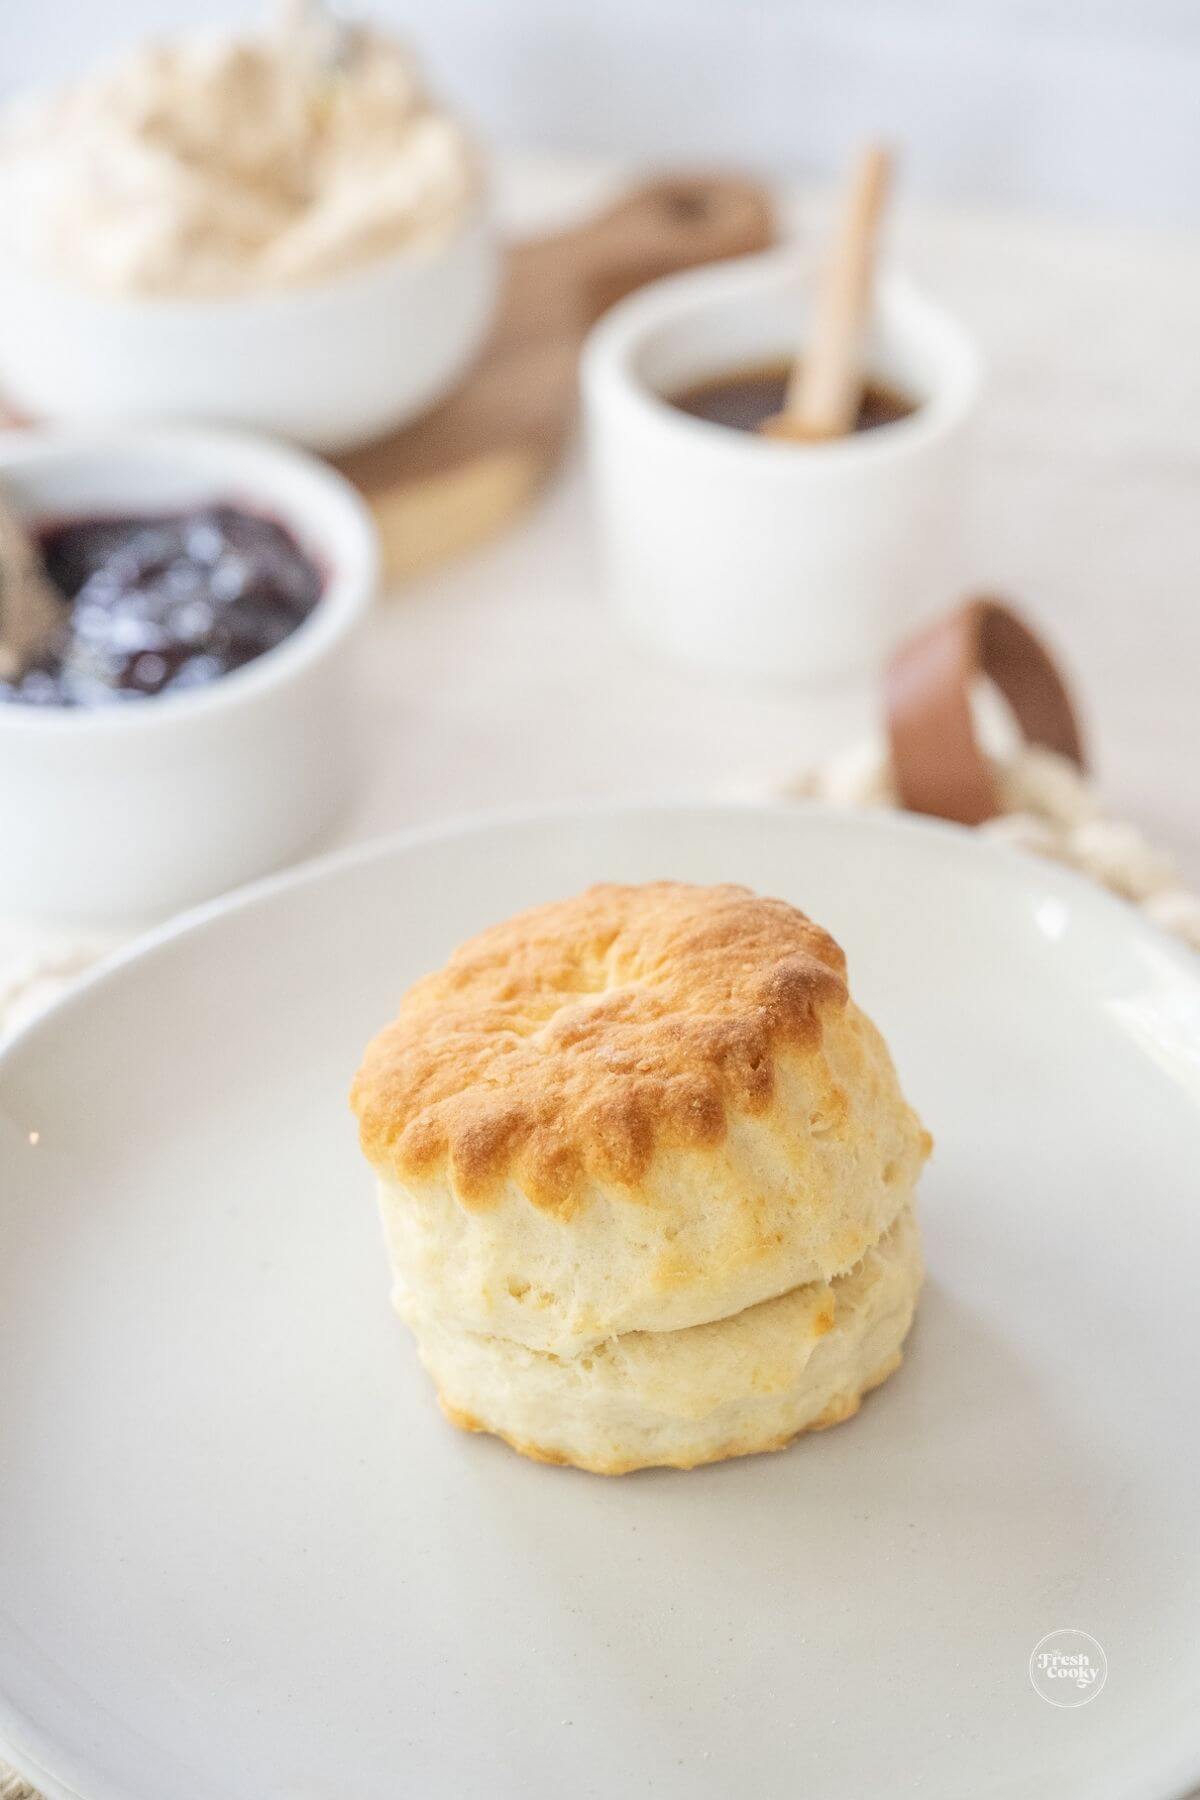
(938, 764)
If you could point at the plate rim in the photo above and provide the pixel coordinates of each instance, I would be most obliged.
(1016, 865)
(1173, 1769)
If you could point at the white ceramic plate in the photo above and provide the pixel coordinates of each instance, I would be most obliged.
(243, 1558)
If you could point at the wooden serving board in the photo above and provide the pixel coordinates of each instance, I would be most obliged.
(451, 479)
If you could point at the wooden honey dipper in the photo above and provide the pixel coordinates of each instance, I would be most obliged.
(826, 387)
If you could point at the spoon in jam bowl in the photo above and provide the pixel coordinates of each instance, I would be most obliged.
(825, 390)
(31, 610)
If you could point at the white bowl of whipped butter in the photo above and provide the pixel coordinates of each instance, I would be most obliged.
(282, 232)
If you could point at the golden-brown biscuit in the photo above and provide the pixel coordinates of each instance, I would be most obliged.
(619, 1118)
(636, 1110)
(651, 1399)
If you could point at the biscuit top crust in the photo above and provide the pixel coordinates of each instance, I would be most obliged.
(565, 1046)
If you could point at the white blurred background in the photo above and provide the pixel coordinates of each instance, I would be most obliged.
(1088, 107)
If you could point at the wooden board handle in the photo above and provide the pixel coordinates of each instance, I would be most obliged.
(675, 222)
(454, 477)
(938, 763)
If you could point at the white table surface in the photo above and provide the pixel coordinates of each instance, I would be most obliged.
(501, 681)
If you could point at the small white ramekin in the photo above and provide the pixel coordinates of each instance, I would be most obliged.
(758, 558)
(120, 814)
(330, 365)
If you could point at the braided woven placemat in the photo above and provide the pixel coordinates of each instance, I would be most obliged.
(1047, 808)
(1050, 809)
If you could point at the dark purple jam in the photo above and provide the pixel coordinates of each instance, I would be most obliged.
(158, 605)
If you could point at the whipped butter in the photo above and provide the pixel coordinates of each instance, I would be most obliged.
(219, 165)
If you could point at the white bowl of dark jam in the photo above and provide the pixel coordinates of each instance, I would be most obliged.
(189, 725)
